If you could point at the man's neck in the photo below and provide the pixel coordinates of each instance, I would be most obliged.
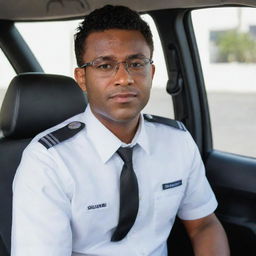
(123, 130)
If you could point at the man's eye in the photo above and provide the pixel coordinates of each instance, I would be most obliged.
(137, 64)
(105, 66)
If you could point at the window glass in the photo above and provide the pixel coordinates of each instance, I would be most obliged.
(227, 48)
(160, 102)
(52, 44)
(7, 73)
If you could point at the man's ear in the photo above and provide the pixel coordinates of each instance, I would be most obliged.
(79, 74)
(153, 68)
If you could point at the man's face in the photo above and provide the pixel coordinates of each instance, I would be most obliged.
(116, 96)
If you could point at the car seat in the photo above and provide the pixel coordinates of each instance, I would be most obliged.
(33, 103)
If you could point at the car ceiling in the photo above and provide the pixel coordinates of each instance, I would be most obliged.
(24, 10)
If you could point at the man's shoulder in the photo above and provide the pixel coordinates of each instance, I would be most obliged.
(165, 121)
(60, 132)
(64, 133)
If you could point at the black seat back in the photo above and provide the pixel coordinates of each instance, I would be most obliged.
(33, 103)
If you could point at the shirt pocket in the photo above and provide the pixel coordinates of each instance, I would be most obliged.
(93, 222)
(99, 210)
(166, 205)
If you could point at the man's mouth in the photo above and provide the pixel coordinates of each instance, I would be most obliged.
(123, 97)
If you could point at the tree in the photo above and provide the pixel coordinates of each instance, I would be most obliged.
(236, 46)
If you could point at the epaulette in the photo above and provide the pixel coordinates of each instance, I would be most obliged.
(61, 134)
(162, 120)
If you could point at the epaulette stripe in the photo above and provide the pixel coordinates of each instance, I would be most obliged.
(54, 138)
(45, 142)
(162, 120)
(53, 142)
(180, 125)
(50, 140)
(61, 134)
(183, 126)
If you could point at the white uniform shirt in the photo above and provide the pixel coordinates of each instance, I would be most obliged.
(66, 198)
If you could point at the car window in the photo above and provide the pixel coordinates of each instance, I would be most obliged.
(6, 74)
(160, 102)
(53, 47)
(227, 48)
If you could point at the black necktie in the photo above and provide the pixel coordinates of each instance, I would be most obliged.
(129, 196)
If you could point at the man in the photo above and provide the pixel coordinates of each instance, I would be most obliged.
(86, 194)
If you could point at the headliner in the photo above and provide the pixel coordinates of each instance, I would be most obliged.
(35, 10)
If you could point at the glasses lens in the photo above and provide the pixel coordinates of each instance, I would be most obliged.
(137, 65)
(108, 66)
(104, 65)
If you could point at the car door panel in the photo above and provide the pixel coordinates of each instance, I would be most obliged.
(232, 177)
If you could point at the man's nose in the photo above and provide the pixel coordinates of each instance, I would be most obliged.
(122, 75)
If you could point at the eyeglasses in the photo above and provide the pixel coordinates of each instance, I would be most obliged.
(108, 66)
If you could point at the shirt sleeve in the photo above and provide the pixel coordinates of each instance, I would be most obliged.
(41, 208)
(199, 199)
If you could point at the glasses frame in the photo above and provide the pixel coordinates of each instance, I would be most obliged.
(91, 64)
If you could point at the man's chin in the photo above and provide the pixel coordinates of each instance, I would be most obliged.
(122, 117)
(118, 115)
(125, 118)
(125, 115)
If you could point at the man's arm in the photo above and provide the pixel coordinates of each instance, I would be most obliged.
(207, 236)
(41, 208)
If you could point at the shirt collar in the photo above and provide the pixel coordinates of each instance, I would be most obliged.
(105, 142)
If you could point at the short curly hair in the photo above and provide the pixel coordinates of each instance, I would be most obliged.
(110, 17)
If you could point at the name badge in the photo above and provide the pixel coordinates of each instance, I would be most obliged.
(96, 206)
(172, 184)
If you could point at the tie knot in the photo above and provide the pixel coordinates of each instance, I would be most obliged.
(125, 153)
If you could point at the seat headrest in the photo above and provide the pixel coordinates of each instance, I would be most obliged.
(37, 101)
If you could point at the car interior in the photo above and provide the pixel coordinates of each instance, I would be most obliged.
(24, 114)
(32, 95)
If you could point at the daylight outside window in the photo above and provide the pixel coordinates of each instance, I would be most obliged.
(227, 48)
